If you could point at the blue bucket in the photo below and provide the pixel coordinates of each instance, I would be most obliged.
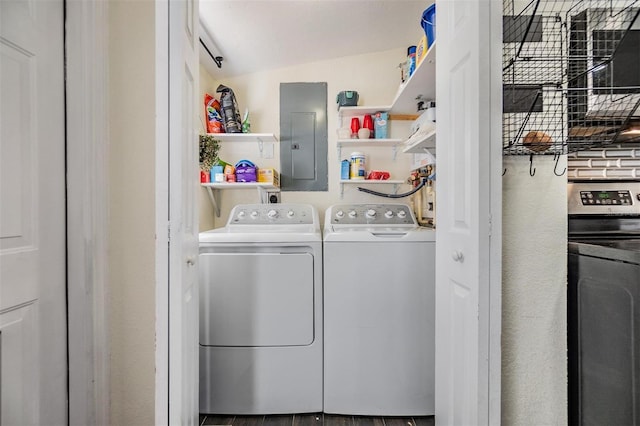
(429, 24)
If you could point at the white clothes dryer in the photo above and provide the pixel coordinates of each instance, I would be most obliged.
(379, 312)
(261, 312)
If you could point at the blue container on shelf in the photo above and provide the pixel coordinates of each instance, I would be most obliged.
(429, 24)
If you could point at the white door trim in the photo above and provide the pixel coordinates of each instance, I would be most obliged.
(162, 213)
(495, 210)
(87, 206)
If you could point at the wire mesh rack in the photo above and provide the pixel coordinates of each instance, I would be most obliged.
(533, 64)
(571, 75)
(603, 72)
(540, 129)
(534, 44)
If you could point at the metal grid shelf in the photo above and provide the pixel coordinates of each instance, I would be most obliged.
(534, 44)
(601, 101)
(565, 65)
(597, 31)
(541, 129)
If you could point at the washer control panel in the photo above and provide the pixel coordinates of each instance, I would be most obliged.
(271, 214)
(372, 214)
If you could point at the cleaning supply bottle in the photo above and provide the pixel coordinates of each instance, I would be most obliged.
(357, 170)
(246, 125)
(411, 60)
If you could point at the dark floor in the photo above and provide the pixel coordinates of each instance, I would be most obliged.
(318, 419)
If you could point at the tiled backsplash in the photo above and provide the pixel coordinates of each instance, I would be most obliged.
(619, 162)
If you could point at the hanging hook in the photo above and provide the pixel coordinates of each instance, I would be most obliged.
(555, 168)
(532, 170)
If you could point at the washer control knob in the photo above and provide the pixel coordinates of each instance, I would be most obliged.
(272, 214)
(339, 214)
(371, 213)
(291, 213)
(388, 214)
(254, 214)
(353, 214)
(402, 214)
(241, 215)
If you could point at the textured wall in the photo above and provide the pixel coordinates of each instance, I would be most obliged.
(534, 277)
(132, 211)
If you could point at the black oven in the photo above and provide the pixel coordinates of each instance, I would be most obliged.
(604, 303)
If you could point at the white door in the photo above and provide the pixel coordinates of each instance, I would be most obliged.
(183, 221)
(33, 367)
(469, 191)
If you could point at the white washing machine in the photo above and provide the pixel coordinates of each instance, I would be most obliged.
(379, 313)
(261, 312)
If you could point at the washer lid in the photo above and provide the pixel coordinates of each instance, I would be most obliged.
(271, 235)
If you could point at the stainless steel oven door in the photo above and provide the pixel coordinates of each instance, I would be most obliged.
(603, 327)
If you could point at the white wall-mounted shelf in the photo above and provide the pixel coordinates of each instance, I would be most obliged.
(371, 182)
(420, 86)
(213, 187)
(245, 137)
(395, 183)
(369, 142)
(259, 138)
(240, 185)
(346, 113)
(355, 143)
(418, 144)
(355, 111)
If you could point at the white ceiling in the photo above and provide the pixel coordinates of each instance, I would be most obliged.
(254, 35)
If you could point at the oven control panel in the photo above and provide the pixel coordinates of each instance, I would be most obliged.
(603, 198)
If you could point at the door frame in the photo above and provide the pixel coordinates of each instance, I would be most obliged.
(494, 298)
(87, 147)
(162, 384)
(86, 92)
(86, 35)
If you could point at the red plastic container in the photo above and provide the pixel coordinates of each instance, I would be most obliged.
(367, 123)
(355, 126)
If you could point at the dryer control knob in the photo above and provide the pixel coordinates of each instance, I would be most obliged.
(272, 214)
(353, 214)
(241, 215)
(291, 213)
(254, 214)
(388, 214)
(371, 213)
(339, 214)
(402, 214)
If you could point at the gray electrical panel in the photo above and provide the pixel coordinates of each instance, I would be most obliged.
(303, 137)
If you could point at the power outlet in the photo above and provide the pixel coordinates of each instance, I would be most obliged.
(270, 197)
(273, 197)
